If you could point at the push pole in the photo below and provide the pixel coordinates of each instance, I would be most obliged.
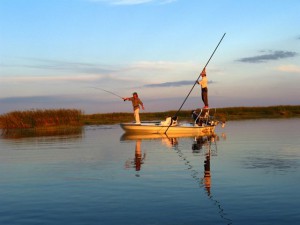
(196, 80)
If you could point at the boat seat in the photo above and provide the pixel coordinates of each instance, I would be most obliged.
(169, 120)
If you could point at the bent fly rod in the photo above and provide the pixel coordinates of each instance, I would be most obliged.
(109, 92)
(196, 80)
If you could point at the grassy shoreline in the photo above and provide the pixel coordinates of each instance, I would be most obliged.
(36, 119)
(222, 114)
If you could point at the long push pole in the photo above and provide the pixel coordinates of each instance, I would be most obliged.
(197, 80)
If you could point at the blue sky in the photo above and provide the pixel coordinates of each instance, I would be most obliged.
(54, 53)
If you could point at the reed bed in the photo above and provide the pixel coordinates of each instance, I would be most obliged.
(41, 119)
(241, 113)
(221, 114)
(33, 119)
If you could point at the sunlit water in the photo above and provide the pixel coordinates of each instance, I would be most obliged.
(247, 174)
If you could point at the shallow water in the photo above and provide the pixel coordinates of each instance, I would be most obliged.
(247, 174)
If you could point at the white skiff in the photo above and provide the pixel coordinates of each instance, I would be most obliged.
(154, 128)
(203, 125)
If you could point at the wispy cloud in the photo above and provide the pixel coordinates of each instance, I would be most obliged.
(161, 65)
(100, 69)
(289, 68)
(133, 2)
(48, 64)
(50, 78)
(45, 101)
(173, 84)
(269, 56)
(31, 99)
(54, 71)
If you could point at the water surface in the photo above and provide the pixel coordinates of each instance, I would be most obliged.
(247, 174)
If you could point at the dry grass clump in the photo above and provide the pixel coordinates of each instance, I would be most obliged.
(40, 118)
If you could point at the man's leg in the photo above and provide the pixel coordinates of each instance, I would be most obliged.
(206, 98)
(137, 115)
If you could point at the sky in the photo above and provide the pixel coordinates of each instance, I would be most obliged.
(63, 53)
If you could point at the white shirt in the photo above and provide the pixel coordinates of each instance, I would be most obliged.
(203, 82)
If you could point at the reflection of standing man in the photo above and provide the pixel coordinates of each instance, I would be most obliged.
(199, 143)
(138, 160)
(136, 102)
(138, 155)
(197, 146)
(207, 177)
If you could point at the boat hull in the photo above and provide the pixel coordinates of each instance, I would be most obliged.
(150, 128)
(136, 136)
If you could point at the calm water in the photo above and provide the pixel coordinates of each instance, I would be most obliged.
(247, 174)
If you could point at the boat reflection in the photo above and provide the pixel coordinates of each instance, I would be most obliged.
(201, 146)
(132, 136)
(208, 145)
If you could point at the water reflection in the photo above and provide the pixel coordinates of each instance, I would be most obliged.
(208, 147)
(208, 144)
(41, 132)
(139, 158)
(201, 146)
(49, 140)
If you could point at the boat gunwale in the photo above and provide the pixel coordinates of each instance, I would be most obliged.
(155, 129)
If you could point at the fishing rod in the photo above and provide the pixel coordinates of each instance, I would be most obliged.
(109, 92)
(197, 80)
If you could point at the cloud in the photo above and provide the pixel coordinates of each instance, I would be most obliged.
(91, 68)
(59, 71)
(45, 102)
(31, 99)
(161, 65)
(50, 78)
(133, 2)
(289, 68)
(272, 55)
(173, 84)
(47, 64)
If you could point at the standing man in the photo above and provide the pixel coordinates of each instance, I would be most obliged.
(136, 102)
(203, 83)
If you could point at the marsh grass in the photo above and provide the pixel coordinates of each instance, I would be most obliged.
(59, 118)
(41, 119)
(222, 114)
(241, 113)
